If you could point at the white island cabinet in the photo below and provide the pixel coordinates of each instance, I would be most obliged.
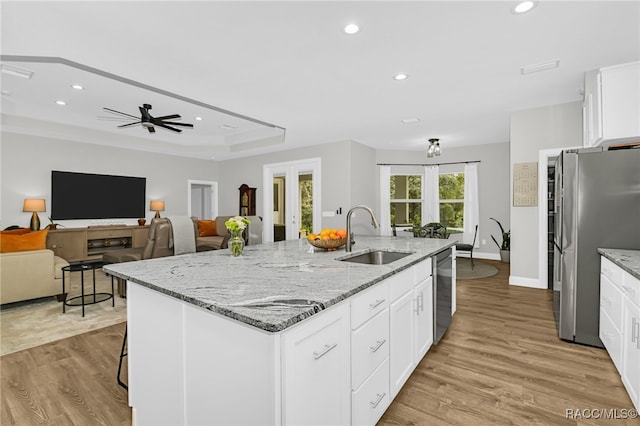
(326, 343)
(620, 319)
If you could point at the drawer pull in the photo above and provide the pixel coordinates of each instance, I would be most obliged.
(629, 289)
(606, 299)
(379, 398)
(376, 303)
(378, 345)
(635, 335)
(325, 351)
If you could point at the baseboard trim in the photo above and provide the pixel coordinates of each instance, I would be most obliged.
(526, 282)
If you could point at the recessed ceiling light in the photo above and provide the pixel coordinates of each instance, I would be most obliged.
(61, 102)
(351, 29)
(411, 120)
(543, 66)
(198, 118)
(15, 71)
(524, 6)
(228, 126)
(77, 87)
(400, 76)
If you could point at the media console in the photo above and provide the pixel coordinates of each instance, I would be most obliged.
(82, 244)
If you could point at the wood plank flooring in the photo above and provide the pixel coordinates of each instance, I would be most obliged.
(500, 363)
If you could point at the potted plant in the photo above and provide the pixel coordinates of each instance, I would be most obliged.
(505, 247)
(52, 224)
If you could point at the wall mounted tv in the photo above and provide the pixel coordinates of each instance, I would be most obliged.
(92, 196)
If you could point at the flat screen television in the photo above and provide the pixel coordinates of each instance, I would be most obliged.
(93, 196)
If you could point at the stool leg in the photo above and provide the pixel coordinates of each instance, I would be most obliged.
(122, 355)
(113, 296)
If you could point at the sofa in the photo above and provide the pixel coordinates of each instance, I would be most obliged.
(31, 274)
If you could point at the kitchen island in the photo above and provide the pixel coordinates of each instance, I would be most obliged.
(280, 335)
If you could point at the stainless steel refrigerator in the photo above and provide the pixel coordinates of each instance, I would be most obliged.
(597, 204)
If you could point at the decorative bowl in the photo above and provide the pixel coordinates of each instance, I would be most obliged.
(329, 245)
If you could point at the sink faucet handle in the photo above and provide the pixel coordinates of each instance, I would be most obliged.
(353, 241)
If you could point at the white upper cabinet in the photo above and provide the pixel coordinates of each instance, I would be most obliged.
(611, 107)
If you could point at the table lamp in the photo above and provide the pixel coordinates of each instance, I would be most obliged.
(157, 206)
(34, 205)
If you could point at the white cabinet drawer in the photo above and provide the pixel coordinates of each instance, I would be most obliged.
(369, 347)
(423, 270)
(611, 301)
(371, 400)
(610, 270)
(631, 287)
(368, 303)
(612, 338)
(401, 283)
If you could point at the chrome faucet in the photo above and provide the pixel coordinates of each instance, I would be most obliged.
(374, 223)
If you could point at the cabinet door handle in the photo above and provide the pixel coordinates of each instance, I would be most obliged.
(635, 335)
(379, 398)
(417, 306)
(325, 351)
(421, 303)
(606, 299)
(376, 303)
(378, 345)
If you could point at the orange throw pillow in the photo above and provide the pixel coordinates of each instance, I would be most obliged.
(207, 228)
(17, 231)
(32, 241)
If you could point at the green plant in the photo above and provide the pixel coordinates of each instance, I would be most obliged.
(52, 224)
(506, 237)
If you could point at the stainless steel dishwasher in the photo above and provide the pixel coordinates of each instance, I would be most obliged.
(442, 288)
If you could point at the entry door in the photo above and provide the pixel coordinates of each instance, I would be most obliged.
(290, 175)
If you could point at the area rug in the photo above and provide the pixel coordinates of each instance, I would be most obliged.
(481, 270)
(28, 324)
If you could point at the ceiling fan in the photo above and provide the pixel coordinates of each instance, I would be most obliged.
(149, 121)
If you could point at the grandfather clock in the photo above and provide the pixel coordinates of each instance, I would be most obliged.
(247, 200)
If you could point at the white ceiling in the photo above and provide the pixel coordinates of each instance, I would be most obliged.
(291, 65)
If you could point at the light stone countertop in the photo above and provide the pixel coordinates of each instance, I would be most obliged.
(629, 260)
(248, 288)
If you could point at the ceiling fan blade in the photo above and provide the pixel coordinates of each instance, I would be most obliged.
(131, 124)
(173, 123)
(168, 127)
(118, 112)
(103, 118)
(151, 129)
(167, 117)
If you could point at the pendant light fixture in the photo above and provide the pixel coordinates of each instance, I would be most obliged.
(434, 148)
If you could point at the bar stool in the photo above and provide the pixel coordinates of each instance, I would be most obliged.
(122, 355)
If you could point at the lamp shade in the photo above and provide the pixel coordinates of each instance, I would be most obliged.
(156, 206)
(34, 205)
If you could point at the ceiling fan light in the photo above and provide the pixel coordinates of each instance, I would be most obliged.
(437, 149)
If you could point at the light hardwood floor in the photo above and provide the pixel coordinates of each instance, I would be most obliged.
(499, 363)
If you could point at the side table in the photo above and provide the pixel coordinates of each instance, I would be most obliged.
(85, 299)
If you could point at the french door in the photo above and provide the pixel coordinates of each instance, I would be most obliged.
(292, 194)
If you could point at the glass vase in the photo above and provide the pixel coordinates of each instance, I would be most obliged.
(236, 244)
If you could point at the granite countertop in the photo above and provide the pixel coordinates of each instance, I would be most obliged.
(629, 260)
(274, 285)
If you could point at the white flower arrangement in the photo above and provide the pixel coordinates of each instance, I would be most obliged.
(237, 223)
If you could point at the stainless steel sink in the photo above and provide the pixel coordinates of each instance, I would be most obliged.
(376, 257)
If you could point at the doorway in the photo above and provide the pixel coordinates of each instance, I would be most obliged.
(202, 199)
(293, 191)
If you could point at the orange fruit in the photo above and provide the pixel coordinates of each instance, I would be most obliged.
(341, 233)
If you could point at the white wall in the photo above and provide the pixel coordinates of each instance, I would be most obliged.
(342, 163)
(532, 130)
(27, 162)
(493, 183)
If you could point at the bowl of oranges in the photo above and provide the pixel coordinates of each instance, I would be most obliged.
(328, 239)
